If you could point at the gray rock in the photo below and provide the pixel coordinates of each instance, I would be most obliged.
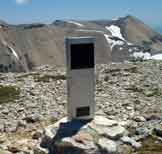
(33, 118)
(132, 142)
(54, 116)
(103, 121)
(20, 109)
(107, 146)
(4, 151)
(48, 134)
(152, 116)
(5, 111)
(10, 126)
(142, 131)
(21, 123)
(112, 98)
(139, 119)
(77, 137)
(113, 132)
(76, 145)
(3, 138)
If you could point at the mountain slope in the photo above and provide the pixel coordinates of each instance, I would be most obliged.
(23, 47)
(141, 37)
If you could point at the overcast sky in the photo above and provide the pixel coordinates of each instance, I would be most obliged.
(27, 11)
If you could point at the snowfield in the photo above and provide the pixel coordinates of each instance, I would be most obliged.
(157, 57)
(112, 42)
(130, 50)
(108, 38)
(115, 31)
(146, 56)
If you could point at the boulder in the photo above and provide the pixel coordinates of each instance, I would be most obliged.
(108, 146)
(114, 132)
(97, 136)
(100, 120)
(131, 141)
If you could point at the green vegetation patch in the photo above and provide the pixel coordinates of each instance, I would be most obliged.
(153, 92)
(8, 94)
(48, 78)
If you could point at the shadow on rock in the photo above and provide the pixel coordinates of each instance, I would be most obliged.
(65, 130)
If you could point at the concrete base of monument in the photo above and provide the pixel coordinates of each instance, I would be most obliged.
(98, 136)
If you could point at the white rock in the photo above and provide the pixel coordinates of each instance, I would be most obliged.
(48, 133)
(103, 121)
(113, 132)
(108, 145)
(129, 108)
(124, 123)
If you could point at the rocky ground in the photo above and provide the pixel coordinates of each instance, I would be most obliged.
(128, 93)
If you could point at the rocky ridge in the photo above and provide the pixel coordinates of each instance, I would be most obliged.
(128, 93)
(23, 47)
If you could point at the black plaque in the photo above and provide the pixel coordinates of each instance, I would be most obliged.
(83, 111)
(82, 56)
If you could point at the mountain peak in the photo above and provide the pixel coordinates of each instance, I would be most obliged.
(130, 17)
(127, 18)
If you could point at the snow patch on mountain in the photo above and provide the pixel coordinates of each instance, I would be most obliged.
(13, 52)
(115, 31)
(113, 42)
(11, 49)
(157, 57)
(75, 23)
(144, 56)
(130, 50)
